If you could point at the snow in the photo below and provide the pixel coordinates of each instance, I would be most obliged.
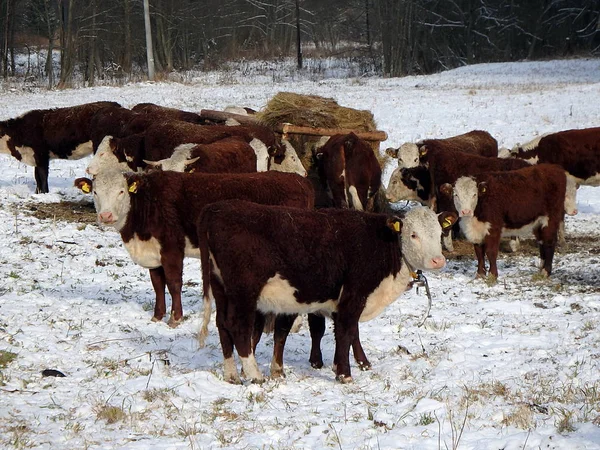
(513, 365)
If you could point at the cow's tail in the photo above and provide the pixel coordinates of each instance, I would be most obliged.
(202, 227)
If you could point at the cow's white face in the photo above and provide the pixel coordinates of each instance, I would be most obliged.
(408, 155)
(465, 195)
(571, 196)
(421, 239)
(397, 190)
(291, 162)
(178, 161)
(111, 198)
(105, 159)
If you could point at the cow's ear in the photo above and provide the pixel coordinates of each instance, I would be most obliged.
(394, 223)
(482, 187)
(447, 219)
(446, 189)
(134, 182)
(84, 184)
(393, 152)
(422, 151)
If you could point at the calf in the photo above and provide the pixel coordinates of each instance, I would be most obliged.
(349, 168)
(288, 261)
(230, 155)
(412, 184)
(576, 151)
(512, 203)
(38, 136)
(474, 142)
(155, 213)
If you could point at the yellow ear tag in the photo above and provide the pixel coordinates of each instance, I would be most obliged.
(86, 188)
(397, 227)
(414, 275)
(447, 223)
(133, 187)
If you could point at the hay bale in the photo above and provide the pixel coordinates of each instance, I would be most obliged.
(314, 111)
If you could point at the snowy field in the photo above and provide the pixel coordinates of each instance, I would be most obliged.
(514, 365)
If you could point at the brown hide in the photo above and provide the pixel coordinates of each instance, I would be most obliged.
(476, 142)
(168, 113)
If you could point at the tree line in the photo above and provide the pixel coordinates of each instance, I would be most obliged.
(106, 38)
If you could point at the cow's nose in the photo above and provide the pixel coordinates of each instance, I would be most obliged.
(573, 212)
(438, 262)
(465, 212)
(106, 217)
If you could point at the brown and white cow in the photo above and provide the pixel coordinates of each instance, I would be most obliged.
(230, 155)
(265, 259)
(413, 184)
(38, 136)
(348, 167)
(156, 214)
(576, 151)
(511, 203)
(476, 142)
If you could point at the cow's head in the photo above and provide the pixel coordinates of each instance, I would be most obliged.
(106, 158)
(465, 194)
(408, 155)
(421, 231)
(179, 161)
(289, 162)
(406, 184)
(112, 190)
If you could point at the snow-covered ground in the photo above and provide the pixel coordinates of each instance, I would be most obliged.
(515, 365)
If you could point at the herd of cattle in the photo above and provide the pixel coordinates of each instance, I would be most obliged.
(175, 185)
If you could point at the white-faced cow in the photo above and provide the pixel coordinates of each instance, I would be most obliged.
(511, 203)
(281, 260)
(348, 167)
(476, 142)
(156, 214)
(38, 136)
(412, 184)
(576, 151)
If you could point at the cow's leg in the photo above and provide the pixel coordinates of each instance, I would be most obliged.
(172, 263)
(283, 325)
(41, 176)
(316, 325)
(230, 372)
(492, 244)
(480, 254)
(359, 353)
(157, 276)
(547, 238)
(259, 325)
(346, 331)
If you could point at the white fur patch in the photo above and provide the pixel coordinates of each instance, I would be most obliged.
(527, 230)
(191, 251)
(277, 296)
(144, 253)
(4, 144)
(251, 369)
(356, 203)
(474, 230)
(230, 371)
(591, 181)
(397, 190)
(291, 162)
(82, 150)
(408, 155)
(27, 153)
(386, 293)
(262, 155)
(105, 159)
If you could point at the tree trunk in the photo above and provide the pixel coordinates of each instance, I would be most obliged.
(149, 50)
(127, 52)
(298, 36)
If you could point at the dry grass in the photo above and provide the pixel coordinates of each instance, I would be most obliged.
(77, 212)
(6, 358)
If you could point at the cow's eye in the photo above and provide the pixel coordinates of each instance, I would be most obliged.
(414, 235)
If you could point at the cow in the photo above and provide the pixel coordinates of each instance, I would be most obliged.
(576, 151)
(156, 212)
(349, 169)
(170, 113)
(40, 135)
(511, 203)
(283, 260)
(230, 155)
(476, 142)
(159, 140)
(413, 184)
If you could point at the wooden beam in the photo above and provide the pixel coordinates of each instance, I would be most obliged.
(288, 128)
(222, 116)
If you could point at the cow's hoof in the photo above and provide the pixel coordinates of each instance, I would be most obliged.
(277, 374)
(173, 323)
(156, 319)
(316, 364)
(364, 365)
(257, 380)
(344, 379)
(234, 380)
